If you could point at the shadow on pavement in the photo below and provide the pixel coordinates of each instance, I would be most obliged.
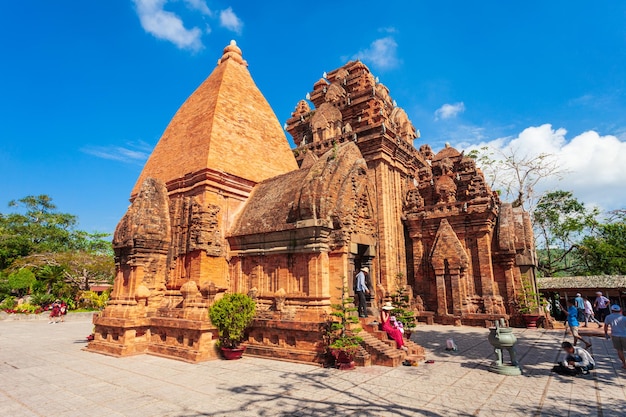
(298, 402)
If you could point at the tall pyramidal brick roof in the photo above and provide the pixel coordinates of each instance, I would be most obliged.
(226, 125)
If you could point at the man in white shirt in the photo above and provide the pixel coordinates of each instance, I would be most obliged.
(601, 305)
(361, 289)
(617, 321)
(577, 357)
(589, 315)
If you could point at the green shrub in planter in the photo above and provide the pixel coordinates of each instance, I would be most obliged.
(232, 315)
(343, 336)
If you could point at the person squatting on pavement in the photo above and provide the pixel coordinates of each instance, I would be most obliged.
(579, 358)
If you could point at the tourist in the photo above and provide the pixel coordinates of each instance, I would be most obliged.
(397, 324)
(62, 311)
(617, 321)
(572, 321)
(361, 289)
(55, 314)
(589, 314)
(393, 332)
(602, 306)
(578, 358)
(580, 305)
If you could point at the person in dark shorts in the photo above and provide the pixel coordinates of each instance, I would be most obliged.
(602, 306)
(617, 322)
(572, 322)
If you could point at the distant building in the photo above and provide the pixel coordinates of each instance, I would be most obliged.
(562, 288)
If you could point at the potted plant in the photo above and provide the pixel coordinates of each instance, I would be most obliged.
(344, 342)
(232, 315)
(403, 311)
(528, 305)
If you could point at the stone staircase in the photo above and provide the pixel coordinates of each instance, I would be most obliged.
(382, 350)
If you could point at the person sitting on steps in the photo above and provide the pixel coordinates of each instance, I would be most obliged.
(393, 332)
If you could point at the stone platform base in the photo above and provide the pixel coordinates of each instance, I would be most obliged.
(296, 341)
(182, 339)
(509, 370)
(283, 354)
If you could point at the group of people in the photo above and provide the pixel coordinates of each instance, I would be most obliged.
(577, 360)
(587, 311)
(580, 361)
(58, 310)
(393, 327)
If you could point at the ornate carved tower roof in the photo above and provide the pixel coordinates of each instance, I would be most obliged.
(226, 125)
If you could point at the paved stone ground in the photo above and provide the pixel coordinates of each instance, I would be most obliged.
(44, 372)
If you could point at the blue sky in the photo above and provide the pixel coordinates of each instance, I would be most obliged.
(87, 88)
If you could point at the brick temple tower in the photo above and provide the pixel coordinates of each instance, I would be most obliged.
(464, 254)
(170, 247)
(352, 106)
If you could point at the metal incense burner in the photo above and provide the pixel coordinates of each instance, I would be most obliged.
(502, 337)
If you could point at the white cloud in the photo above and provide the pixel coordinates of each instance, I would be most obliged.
(199, 5)
(382, 54)
(593, 165)
(230, 21)
(133, 152)
(449, 111)
(167, 25)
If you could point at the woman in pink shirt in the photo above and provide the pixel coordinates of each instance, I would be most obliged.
(393, 332)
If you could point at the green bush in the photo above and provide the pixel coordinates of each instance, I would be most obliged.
(42, 299)
(232, 315)
(70, 302)
(64, 291)
(22, 281)
(343, 336)
(403, 311)
(91, 299)
(28, 309)
(8, 303)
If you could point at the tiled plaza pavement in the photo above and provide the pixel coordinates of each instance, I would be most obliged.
(44, 372)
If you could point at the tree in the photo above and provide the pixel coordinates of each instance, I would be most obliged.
(35, 227)
(515, 174)
(403, 311)
(63, 259)
(604, 252)
(94, 243)
(79, 269)
(560, 223)
(21, 282)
